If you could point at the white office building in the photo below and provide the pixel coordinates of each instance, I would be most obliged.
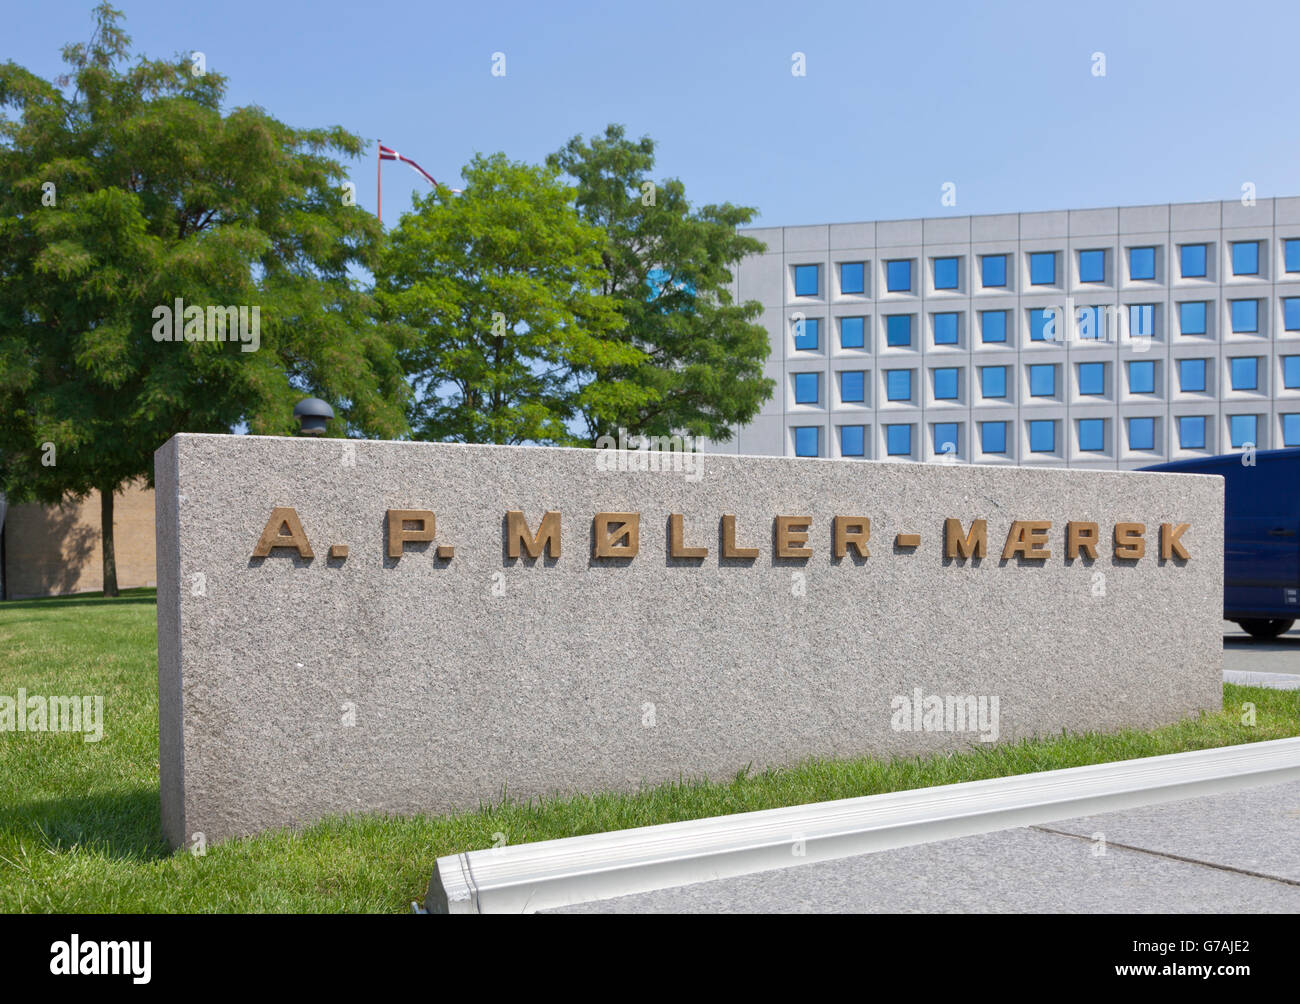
(1101, 338)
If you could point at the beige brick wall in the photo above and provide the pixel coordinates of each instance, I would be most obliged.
(53, 550)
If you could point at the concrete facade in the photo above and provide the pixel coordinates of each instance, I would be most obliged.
(1274, 401)
(294, 687)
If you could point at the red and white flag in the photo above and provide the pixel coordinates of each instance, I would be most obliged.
(387, 153)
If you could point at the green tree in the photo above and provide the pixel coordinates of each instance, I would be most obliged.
(125, 187)
(499, 284)
(668, 267)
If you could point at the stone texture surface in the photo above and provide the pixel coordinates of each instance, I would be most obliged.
(469, 678)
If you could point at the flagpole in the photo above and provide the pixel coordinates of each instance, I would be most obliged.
(379, 177)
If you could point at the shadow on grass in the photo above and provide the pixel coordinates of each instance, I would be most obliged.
(123, 825)
(46, 603)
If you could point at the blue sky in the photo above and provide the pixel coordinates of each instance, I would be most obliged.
(999, 99)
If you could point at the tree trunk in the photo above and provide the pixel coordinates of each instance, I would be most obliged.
(106, 528)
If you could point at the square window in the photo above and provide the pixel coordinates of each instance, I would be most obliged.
(1191, 317)
(1042, 436)
(1092, 322)
(1291, 251)
(945, 329)
(1142, 433)
(898, 440)
(1042, 380)
(1191, 374)
(993, 381)
(993, 268)
(807, 334)
(1092, 378)
(898, 329)
(1291, 372)
(853, 386)
(1245, 373)
(1192, 261)
(1245, 315)
(1042, 268)
(807, 441)
(1141, 263)
(807, 280)
(945, 273)
(993, 325)
(1092, 266)
(1141, 320)
(1245, 258)
(898, 385)
(1291, 430)
(852, 277)
(945, 384)
(898, 275)
(853, 440)
(945, 438)
(1042, 324)
(853, 332)
(1092, 435)
(1291, 313)
(1242, 429)
(807, 388)
(1191, 432)
(1142, 376)
(993, 437)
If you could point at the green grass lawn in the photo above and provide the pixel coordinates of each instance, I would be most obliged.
(80, 829)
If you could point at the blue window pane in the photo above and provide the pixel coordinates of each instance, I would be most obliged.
(806, 280)
(1141, 263)
(1092, 435)
(945, 437)
(993, 437)
(1042, 381)
(852, 277)
(945, 273)
(1191, 374)
(1141, 433)
(853, 440)
(1292, 247)
(807, 334)
(1042, 324)
(807, 388)
(1191, 432)
(1245, 258)
(1092, 266)
(1291, 313)
(1245, 373)
(1192, 261)
(852, 333)
(898, 329)
(898, 385)
(1245, 315)
(1141, 320)
(898, 276)
(1092, 322)
(1042, 268)
(807, 441)
(1242, 429)
(994, 269)
(1092, 378)
(853, 386)
(1142, 376)
(993, 325)
(1042, 436)
(1191, 317)
(993, 381)
(945, 384)
(898, 440)
(945, 329)
(1291, 372)
(1291, 430)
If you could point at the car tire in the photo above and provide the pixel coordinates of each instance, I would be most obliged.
(1264, 628)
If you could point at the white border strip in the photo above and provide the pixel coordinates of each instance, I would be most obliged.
(1275, 681)
(554, 873)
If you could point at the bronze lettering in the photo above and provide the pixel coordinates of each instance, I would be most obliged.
(1129, 543)
(1028, 539)
(965, 545)
(792, 535)
(1081, 537)
(729, 548)
(1170, 545)
(404, 525)
(282, 517)
(518, 534)
(855, 530)
(676, 548)
(616, 534)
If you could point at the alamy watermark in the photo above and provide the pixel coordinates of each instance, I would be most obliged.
(946, 713)
(680, 454)
(53, 714)
(176, 322)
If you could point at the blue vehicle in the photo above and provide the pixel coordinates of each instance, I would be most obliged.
(1261, 547)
